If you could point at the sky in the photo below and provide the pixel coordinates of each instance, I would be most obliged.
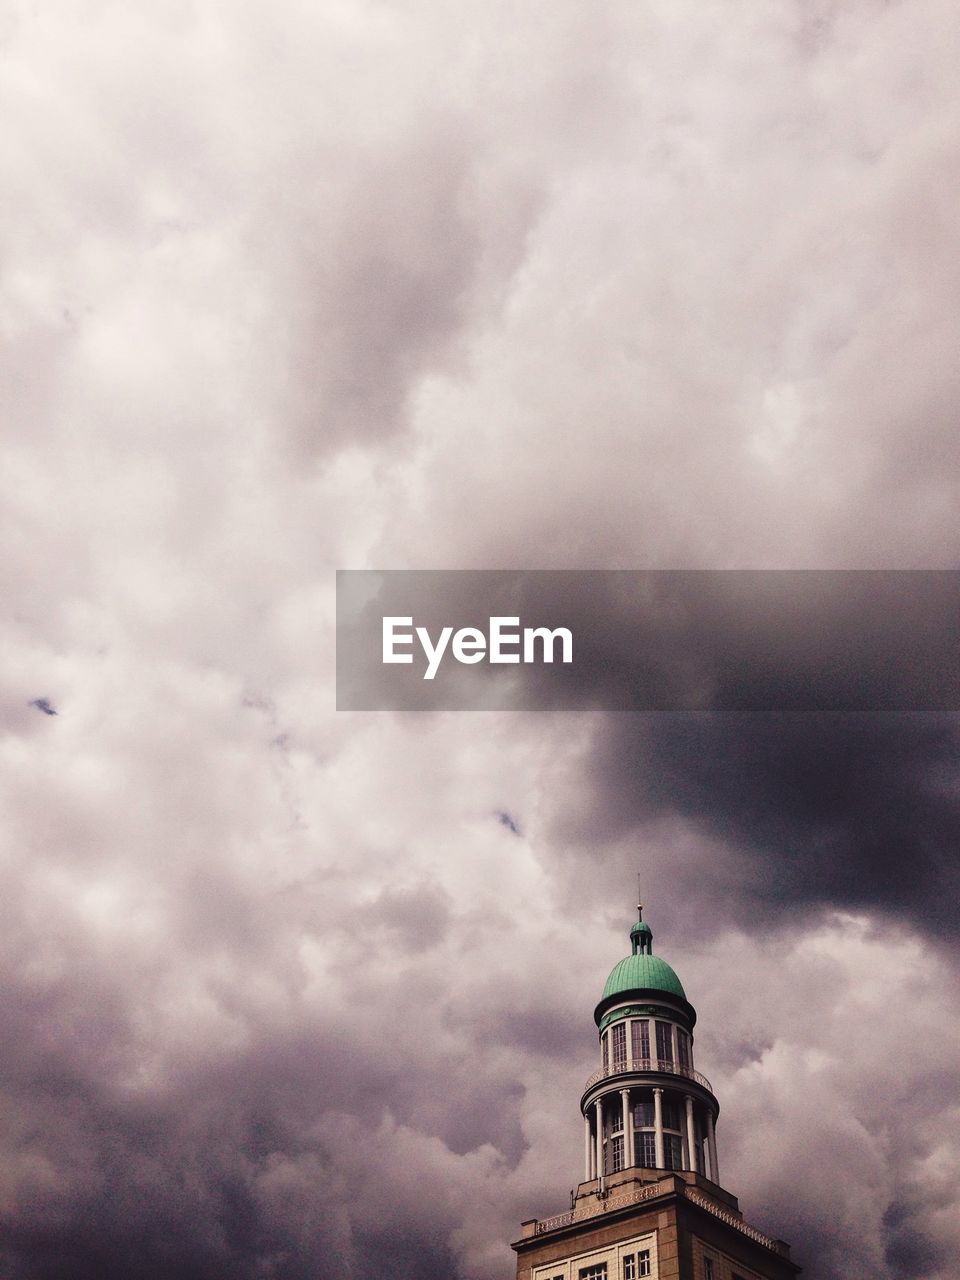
(289, 992)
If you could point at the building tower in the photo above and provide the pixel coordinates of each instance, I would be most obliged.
(650, 1203)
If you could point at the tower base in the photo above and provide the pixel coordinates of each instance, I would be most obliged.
(645, 1223)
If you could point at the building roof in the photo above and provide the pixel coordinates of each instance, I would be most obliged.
(642, 973)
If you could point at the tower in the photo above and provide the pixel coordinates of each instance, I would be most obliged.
(651, 1203)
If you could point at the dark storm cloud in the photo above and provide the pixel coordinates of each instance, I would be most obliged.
(154, 1187)
(849, 811)
(123, 1178)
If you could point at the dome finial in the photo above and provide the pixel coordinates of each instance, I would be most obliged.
(641, 935)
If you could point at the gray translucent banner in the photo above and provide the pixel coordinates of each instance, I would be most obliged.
(624, 640)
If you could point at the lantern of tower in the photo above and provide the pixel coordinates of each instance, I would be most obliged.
(650, 1203)
(647, 1106)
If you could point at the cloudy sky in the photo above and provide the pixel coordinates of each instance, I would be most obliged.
(287, 288)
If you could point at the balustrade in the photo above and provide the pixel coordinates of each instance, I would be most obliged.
(661, 1065)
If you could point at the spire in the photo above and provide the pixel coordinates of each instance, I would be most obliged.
(641, 935)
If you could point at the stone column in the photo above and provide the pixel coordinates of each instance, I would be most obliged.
(598, 1150)
(627, 1129)
(712, 1139)
(658, 1126)
(691, 1137)
(587, 1148)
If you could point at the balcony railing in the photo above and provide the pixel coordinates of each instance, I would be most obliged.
(650, 1192)
(649, 1064)
(608, 1203)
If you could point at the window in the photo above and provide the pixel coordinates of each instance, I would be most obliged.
(636, 1265)
(683, 1048)
(619, 1044)
(672, 1151)
(604, 1059)
(643, 1115)
(709, 1271)
(615, 1154)
(646, 1150)
(597, 1272)
(670, 1110)
(640, 1032)
(664, 1042)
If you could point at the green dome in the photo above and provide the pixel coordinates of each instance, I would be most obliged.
(642, 973)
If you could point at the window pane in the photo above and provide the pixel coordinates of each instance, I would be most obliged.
(641, 1039)
(643, 1115)
(664, 1042)
(619, 1044)
(646, 1148)
(683, 1048)
(671, 1113)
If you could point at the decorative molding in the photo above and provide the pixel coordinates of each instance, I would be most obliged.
(731, 1219)
(605, 1205)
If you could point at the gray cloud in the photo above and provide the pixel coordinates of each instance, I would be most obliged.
(854, 811)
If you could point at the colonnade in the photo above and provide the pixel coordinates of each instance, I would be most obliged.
(697, 1122)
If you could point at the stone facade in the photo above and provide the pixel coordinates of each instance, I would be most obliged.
(677, 1227)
